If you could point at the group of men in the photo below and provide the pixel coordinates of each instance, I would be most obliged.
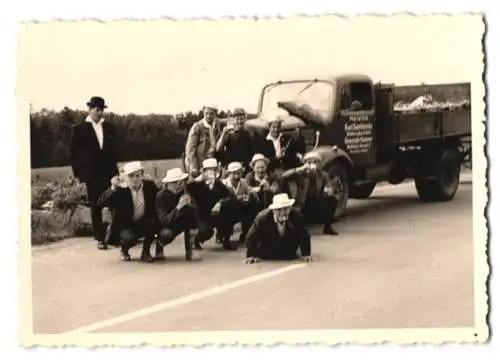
(267, 183)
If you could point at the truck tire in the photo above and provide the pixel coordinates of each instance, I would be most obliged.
(443, 184)
(362, 191)
(338, 176)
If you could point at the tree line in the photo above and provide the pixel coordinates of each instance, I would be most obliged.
(141, 137)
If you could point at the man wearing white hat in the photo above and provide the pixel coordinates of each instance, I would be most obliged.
(236, 144)
(176, 212)
(240, 207)
(209, 194)
(315, 192)
(261, 181)
(278, 233)
(202, 139)
(134, 214)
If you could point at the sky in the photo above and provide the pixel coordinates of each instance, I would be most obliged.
(168, 66)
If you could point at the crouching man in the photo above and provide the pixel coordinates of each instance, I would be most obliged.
(209, 194)
(313, 192)
(241, 206)
(176, 213)
(134, 215)
(262, 184)
(278, 233)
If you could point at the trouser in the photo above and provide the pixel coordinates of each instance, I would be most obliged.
(95, 188)
(144, 227)
(285, 250)
(234, 211)
(320, 210)
(184, 219)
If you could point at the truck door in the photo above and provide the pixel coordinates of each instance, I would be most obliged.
(384, 124)
(357, 113)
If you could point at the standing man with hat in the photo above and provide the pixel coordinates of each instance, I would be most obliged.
(201, 142)
(133, 200)
(236, 143)
(278, 233)
(281, 149)
(93, 160)
(176, 213)
(314, 192)
(209, 194)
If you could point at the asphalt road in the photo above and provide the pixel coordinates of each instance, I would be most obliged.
(398, 263)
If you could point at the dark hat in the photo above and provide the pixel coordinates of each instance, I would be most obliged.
(97, 102)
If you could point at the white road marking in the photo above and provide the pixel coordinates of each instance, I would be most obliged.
(184, 300)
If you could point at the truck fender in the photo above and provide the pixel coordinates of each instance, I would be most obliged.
(331, 154)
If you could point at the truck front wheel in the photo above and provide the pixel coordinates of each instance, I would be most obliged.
(443, 184)
(338, 177)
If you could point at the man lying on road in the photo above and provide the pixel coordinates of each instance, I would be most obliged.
(134, 213)
(277, 233)
(176, 213)
(313, 192)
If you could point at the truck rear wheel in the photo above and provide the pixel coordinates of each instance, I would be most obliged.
(338, 177)
(443, 184)
(361, 191)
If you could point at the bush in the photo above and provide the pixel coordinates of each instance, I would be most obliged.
(51, 226)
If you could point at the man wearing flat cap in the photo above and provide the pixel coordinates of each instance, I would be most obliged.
(133, 200)
(93, 160)
(314, 192)
(201, 142)
(236, 143)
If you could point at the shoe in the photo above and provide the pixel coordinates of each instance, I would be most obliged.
(125, 256)
(101, 245)
(328, 230)
(147, 258)
(227, 245)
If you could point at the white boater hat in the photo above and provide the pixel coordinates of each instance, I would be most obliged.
(258, 157)
(132, 167)
(234, 166)
(210, 163)
(312, 156)
(173, 175)
(281, 201)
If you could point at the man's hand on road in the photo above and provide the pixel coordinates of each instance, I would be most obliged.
(307, 258)
(251, 260)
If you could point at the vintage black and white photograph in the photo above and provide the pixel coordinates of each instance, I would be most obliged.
(305, 179)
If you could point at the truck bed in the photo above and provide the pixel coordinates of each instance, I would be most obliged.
(448, 115)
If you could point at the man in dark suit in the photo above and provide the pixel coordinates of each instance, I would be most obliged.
(278, 233)
(176, 213)
(134, 216)
(93, 160)
(236, 144)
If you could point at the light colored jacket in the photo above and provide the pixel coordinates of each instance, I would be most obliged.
(198, 147)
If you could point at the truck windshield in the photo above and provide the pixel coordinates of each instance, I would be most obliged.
(315, 96)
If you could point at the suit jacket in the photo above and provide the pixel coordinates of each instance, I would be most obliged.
(265, 197)
(242, 189)
(238, 146)
(291, 145)
(88, 161)
(198, 144)
(307, 185)
(120, 199)
(204, 198)
(263, 236)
